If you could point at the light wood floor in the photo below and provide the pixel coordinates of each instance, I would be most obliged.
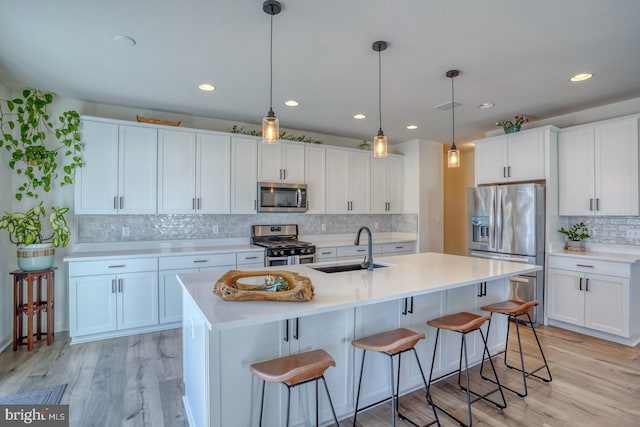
(136, 381)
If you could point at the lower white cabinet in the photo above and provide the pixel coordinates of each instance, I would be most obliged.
(170, 300)
(593, 294)
(110, 296)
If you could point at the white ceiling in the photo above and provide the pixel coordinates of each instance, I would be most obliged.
(516, 54)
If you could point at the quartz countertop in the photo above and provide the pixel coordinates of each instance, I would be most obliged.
(92, 252)
(598, 255)
(405, 276)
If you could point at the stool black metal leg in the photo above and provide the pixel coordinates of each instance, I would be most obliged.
(466, 369)
(355, 413)
(262, 402)
(317, 424)
(335, 418)
(544, 359)
(393, 395)
(288, 404)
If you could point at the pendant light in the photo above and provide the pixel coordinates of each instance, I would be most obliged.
(453, 155)
(270, 123)
(380, 141)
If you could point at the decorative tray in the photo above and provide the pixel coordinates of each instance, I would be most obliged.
(158, 121)
(261, 285)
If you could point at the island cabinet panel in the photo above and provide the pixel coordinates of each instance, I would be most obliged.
(120, 172)
(332, 332)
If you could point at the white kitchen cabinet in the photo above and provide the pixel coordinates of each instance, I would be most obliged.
(110, 296)
(332, 332)
(386, 184)
(358, 252)
(325, 254)
(598, 168)
(513, 157)
(194, 172)
(315, 177)
(593, 294)
(282, 162)
(244, 175)
(170, 291)
(348, 174)
(120, 171)
(402, 248)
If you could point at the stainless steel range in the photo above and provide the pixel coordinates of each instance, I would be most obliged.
(281, 244)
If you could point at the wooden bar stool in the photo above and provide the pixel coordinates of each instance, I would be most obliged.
(465, 323)
(392, 343)
(293, 371)
(514, 310)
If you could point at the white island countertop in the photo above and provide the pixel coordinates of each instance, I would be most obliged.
(405, 276)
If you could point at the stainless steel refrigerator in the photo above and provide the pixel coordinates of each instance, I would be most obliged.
(506, 222)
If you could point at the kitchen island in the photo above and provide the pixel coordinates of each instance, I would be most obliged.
(222, 338)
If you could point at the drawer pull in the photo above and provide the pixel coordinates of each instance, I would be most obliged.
(251, 257)
(399, 247)
(584, 265)
(360, 250)
(118, 266)
(325, 253)
(200, 260)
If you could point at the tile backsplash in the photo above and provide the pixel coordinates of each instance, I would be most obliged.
(609, 229)
(109, 228)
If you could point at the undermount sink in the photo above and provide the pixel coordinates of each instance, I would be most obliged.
(345, 267)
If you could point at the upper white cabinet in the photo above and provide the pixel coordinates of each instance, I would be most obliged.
(315, 178)
(348, 177)
(282, 162)
(120, 169)
(386, 184)
(598, 168)
(193, 172)
(244, 177)
(514, 157)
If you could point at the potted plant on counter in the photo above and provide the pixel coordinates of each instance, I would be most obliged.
(575, 237)
(35, 252)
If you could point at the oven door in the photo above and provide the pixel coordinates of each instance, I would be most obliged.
(274, 261)
(289, 260)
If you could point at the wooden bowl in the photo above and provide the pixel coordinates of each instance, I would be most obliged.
(230, 288)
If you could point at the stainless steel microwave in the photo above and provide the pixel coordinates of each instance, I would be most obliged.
(280, 197)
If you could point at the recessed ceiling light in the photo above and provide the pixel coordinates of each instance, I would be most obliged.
(124, 40)
(581, 77)
(206, 87)
(486, 105)
(359, 116)
(291, 103)
(412, 127)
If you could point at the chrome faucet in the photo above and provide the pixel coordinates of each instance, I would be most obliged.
(368, 260)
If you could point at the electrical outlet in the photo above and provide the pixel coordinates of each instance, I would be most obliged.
(633, 233)
(375, 225)
(215, 229)
(125, 231)
(323, 227)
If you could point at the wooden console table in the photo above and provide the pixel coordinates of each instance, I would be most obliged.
(38, 287)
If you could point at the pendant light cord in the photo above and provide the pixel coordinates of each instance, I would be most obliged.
(453, 117)
(380, 88)
(271, 65)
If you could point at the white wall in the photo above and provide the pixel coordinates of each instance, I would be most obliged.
(423, 190)
(7, 250)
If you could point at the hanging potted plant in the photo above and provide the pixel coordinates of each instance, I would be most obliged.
(42, 154)
(575, 237)
(35, 252)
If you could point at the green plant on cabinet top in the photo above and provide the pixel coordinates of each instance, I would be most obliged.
(25, 125)
(576, 232)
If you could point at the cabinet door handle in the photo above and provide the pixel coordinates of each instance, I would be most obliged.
(120, 285)
(411, 309)
(113, 286)
(199, 202)
(590, 204)
(580, 286)
(296, 331)
(286, 330)
(586, 284)
(193, 203)
(479, 290)
(404, 310)
(284, 173)
(504, 172)
(508, 171)
(597, 204)
(115, 202)
(121, 202)
(255, 204)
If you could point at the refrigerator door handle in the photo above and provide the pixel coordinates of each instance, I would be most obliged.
(499, 219)
(512, 258)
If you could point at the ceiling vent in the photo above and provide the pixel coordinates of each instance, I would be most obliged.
(447, 106)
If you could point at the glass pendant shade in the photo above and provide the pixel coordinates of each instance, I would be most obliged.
(380, 145)
(270, 128)
(453, 157)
